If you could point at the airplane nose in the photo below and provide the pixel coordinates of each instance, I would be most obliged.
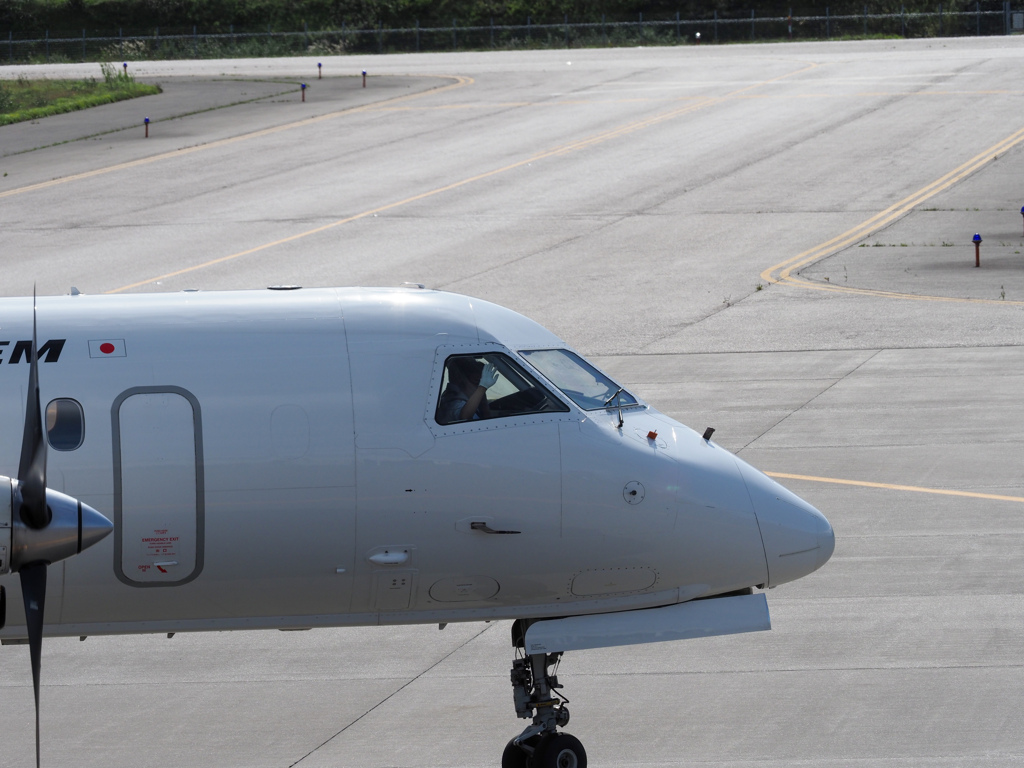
(797, 538)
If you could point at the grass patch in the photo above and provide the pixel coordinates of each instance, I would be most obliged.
(25, 99)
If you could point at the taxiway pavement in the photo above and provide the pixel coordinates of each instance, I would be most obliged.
(772, 240)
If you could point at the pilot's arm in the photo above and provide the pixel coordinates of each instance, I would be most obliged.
(488, 376)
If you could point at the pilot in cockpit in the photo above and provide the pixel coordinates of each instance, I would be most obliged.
(465, 396)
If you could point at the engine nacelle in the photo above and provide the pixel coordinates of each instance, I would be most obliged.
(74, 526)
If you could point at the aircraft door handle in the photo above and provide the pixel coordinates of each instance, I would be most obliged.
(485, 528)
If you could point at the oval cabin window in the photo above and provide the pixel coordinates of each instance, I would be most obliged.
(65, 424)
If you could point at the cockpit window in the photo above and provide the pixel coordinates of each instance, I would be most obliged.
(586, 386)
(489, 386)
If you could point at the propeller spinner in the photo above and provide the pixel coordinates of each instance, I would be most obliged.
(44, 526)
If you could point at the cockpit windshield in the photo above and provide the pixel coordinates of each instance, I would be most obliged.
(490, 386)
(579, 380)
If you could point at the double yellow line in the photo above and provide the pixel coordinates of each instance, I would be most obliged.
(783, 272)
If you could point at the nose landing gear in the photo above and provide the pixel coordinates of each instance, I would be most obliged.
(534, 689)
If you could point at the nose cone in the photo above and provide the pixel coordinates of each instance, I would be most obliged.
(73, 527)
(797, 538)
(95, 527)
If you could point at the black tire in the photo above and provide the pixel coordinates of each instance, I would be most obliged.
(560, 750)
(514, 757)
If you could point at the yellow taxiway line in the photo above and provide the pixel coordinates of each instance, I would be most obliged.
(893, 487)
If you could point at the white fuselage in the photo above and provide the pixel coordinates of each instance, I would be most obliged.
(274, 460)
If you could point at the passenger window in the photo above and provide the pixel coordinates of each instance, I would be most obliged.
(489, 386)
(65, 424)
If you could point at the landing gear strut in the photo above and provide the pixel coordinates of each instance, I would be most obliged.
(534, 689)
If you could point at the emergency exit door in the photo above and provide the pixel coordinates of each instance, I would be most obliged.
(158, 487)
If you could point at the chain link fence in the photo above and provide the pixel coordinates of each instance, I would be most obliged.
(990, 18)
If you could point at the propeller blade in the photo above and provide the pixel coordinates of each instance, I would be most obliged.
(33, 589)
(32, 469)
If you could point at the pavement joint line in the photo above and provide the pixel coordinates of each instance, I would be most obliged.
(829, 385)
(554, 152)
(782, 272)
(460, 81)
(397, 691)
(666, 99)
(894, 487)
(452, 285)
(790, 670)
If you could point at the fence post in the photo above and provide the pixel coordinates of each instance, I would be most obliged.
(455, 42)
(716, 25)
(380, 37)
(641, 25)
(942, 25)
(417, 35)
(47, 46)
(305, 32)
(677, 26)
(604, 32)
(527, 29)
(977, 19)
(492, 31)
(565, 21)
(828, 25)
(865, 21)
(751, 23)
(195, 42)
(1006, 16)
(10, 44)
(903, 21)
(83, 46)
